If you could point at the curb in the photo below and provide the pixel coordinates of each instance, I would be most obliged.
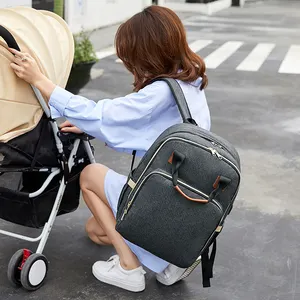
(207, 9)
(103, 37)
(240, 3)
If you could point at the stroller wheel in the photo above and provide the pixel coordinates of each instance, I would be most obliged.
(34, 272)
(15, 266)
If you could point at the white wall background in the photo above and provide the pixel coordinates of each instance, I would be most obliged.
(91, 14)
(9, 3)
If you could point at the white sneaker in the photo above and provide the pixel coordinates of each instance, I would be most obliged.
(172, 274)
(111, 272)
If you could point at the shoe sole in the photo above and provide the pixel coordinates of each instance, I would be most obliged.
(187, 272)
(119, 283)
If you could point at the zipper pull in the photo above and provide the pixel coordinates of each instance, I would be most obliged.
(124, 213)
(214, 152)
(126, 209)
(218, 155)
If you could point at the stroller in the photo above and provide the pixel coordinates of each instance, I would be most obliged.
(39, 165)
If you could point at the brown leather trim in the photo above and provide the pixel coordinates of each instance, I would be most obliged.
(215, 185)
(170, 160)
(189, 198)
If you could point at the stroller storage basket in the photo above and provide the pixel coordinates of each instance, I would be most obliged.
(35, 151)
(17, 207)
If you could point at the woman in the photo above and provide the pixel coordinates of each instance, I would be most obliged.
(151, 44)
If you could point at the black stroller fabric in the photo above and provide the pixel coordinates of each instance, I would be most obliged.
(21, 160)
(34, 149)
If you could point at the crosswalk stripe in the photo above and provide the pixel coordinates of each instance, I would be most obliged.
(291, 62)
(222, 25)
(256, 57)
(253, 62)
(213, 60)
(213, 19)
(106, 52)
(199, 44)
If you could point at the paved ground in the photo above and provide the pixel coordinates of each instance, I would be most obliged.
(258, 257)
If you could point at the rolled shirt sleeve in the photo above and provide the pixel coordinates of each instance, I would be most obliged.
(122, 123)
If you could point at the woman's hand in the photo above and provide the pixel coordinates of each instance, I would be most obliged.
(27, 69)
(68, 127)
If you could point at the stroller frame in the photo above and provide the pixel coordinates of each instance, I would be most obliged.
(33, 267)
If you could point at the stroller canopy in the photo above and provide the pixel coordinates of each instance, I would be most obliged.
(47, 38)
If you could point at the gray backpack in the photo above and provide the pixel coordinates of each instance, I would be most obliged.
(176, 200)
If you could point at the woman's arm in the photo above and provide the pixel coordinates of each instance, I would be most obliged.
(123, 123)
(45, 86)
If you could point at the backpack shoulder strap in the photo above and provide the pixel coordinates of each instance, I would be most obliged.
(181, 104)
(179, 98)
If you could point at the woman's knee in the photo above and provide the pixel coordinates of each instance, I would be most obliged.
(85, 175)
(90, 173)
(96, 233)
(91, 233)
(89, 226)
(92, 179)
(92, 227)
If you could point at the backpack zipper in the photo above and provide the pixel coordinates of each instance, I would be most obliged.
(213, 151)
(169, 177)
(217, 144)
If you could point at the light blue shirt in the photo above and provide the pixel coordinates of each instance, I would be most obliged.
(132, 122)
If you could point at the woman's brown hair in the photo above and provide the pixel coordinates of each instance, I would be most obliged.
(153, 44)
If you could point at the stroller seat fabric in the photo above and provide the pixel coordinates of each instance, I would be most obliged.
(47, 38)
(28, 149)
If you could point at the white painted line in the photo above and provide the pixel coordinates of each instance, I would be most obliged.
(95, 73)
(217, 57)
(199, 44)
(256, 58)
(106, 52)
(241, 27)
(292, 125)
(291, 62)
(231, 20)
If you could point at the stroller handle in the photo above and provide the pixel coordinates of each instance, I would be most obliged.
(9, 39)
(11, 42)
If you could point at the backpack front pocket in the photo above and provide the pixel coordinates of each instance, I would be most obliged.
(160, 219)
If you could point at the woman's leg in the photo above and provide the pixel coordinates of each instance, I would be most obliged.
(101, 227)
(92, 186)
(96, 232)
